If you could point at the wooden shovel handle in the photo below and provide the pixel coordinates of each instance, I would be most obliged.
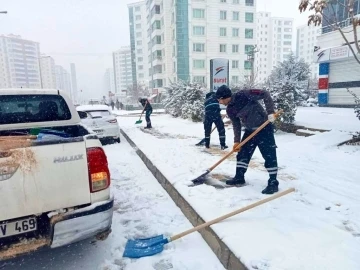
(244, 141)
(143, 110)
(243, 209)
(21, 137)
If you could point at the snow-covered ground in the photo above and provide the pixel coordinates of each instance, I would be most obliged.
(318, 227)
(142, 209)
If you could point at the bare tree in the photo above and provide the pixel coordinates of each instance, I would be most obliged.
(136, 91)
(317, 17)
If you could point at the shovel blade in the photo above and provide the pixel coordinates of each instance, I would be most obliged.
(201, 179)
(139, 248)
(138, 122)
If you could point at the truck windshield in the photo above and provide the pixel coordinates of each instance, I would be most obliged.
(16, 109)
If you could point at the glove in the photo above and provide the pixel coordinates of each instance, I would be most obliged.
(234, 147)
(271, 118)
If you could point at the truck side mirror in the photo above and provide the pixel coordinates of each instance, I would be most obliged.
(82, 115)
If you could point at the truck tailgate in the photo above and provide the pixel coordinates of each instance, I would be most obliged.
(58, 180)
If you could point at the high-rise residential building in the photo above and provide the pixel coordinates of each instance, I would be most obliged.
(139, 42)
(274, 43)
(183, 36)
(123, 69)
(338, 69)
(63, 79)
(19, 62)
(305, 44)
(73, 82)
(47, 71)
(109, 82)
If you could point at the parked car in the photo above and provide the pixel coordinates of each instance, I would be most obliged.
(55, 183)
(100, 119)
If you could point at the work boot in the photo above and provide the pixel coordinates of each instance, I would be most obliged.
(272, 187)
(237, 180)
(207, 142)
(223, 147)
(148, 125)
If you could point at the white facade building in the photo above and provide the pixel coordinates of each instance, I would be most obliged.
(19, 63)
(184, 35)
(305, 42)
(109, 82)
(63, 79)
(274, 43)
(139, 42)
(74, 88)
(48, 73)
(123, 69)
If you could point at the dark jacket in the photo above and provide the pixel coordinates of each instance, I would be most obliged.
(244, 106)
(144, 102)
(212, 107)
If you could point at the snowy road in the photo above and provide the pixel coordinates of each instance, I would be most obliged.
(142, 209)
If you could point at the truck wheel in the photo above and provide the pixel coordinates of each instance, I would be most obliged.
(118, 140)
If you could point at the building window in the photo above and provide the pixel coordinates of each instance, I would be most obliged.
(140, 59)
(199, 47)
(222, 48)
(248, 48)
(198, 64)
(235, 79)
(288, 30)
(198, 13)
(235, 64)
(249, 33)
(247, 65)
(249, 17)
(139, 51)
(236, 1)
(138, 17)
(222, 1)
(139, 42)
(287, 23)
(235, 48)
(235, 32)
(250, 3)
(222, 15)
(287, 36)
(236, 15)
(223, 32)
(199, 30)
(137, 8)
(140, 67)
(138, 34)
(138, 26)
(199, 79)
(287, 42)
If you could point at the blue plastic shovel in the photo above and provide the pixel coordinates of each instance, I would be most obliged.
(150, 246)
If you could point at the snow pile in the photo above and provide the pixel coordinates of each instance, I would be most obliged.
(318, 227)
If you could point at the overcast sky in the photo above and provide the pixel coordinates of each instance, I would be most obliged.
(85, 32)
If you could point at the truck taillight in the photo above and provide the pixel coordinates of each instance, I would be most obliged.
(99, 174)
(112, 121)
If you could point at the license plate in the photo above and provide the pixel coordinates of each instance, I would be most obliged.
(18, 227)
(99, 131)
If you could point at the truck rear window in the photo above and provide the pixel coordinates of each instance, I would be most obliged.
(16, 109)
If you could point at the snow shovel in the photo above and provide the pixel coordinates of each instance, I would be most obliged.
(202, 178)
(150, 246)
(140, 121)
(203, 140)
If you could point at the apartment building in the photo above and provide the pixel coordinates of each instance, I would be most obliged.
(274, 43)
(74, 87)
(19, 62)
(139, 42)
(63, 79)
(184, 35)
(306, 39)
(122, 63)
(109, 82)
(48, 73)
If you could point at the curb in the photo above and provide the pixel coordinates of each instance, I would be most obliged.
(221, 250)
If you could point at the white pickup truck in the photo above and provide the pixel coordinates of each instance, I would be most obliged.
(59, 193)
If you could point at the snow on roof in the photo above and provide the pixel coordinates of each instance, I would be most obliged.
(96, 107)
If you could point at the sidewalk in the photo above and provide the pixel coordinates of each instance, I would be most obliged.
(315, 228)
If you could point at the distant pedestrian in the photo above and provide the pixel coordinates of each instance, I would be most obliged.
(112, 104)
(117, 104)
(148, 111)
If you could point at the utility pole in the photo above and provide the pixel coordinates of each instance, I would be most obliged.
(251, 58)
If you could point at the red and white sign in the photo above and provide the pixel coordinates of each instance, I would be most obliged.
(219, 73)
